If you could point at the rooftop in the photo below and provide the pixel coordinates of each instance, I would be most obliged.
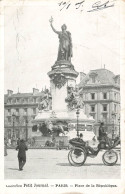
(103, 76)
(24, 95)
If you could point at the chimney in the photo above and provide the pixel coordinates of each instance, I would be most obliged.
(82, 76)
(35, 91)
(9, 92)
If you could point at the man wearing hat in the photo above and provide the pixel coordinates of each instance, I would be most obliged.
(103, 135)
(22, 148)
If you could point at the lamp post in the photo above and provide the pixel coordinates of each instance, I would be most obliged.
(13, 116)
(77, 115)
(113, 115)
(13, 136)
(26, 121)
(119, 125)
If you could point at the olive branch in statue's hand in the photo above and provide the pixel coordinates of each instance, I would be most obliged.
(51, 20)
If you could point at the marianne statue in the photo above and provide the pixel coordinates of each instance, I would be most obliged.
(65, 42)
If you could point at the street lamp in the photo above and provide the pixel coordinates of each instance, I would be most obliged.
(77, 115)
(13, 136)
(26, 121)
(119, 125)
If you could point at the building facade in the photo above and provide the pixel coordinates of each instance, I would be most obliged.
(20, 110)
(100, 90)
(101, 96)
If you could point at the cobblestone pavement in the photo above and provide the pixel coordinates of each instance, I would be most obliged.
(51, 164)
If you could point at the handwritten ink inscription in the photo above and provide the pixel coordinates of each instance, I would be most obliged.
(66, 5)
(100, 6)
(97, 6)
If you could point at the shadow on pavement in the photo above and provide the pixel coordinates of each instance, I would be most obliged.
(13, 168)
(63, 164)
(88, 164)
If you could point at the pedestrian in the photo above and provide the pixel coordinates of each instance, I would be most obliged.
(81, 136)
(22, 148)
(81, 139)
(103, 135)
(5, 147)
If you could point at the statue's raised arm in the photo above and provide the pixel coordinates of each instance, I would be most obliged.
(51, 24)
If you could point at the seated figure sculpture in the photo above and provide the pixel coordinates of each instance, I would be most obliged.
(74, 98)
(46, 102)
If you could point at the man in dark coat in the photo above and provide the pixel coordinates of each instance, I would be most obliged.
(102, 132)
(21, 154)
(103, 135)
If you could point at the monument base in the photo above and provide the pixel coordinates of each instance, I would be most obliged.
(69, 116)
(62, 76)
(63, 67)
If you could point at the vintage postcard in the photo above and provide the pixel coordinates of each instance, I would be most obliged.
(62, 96)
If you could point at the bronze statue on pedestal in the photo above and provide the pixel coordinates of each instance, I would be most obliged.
(65, 43)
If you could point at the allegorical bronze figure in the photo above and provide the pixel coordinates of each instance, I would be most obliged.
(65, 43)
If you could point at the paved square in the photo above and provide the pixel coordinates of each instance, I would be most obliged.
(53, 164)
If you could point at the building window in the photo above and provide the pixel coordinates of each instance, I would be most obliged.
(9, 112)
(25, 110)
(34, 100)
(9, 119)
(92, 96)
(105, 117)
(92, 108)
(22, 100)
(9, 101)
(104, 107)
(17, 110)
(26, 100)
(104, 95)
(31, 100)
(17, 119)
(34, 110)
(17, 100)
(115, 118)
(14, 100)
(115, 107)
(115, 96)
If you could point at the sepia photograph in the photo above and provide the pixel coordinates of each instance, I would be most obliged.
(62, 91)
(63, 70)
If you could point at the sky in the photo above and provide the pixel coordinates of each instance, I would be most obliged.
(31, 47)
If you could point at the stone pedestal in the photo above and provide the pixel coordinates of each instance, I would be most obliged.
(62, 75)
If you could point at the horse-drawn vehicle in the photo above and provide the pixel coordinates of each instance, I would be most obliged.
(80, 151)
